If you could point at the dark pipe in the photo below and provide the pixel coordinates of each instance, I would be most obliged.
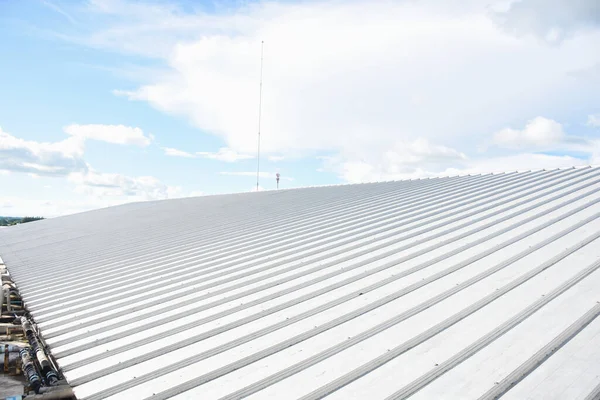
(30, 372)
(47, 371)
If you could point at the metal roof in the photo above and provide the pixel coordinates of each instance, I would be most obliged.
(454, 288)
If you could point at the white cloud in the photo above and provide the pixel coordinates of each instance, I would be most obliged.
(141, 188)
(539, 132)
(542, 134)
(117, 134)
(63, 157)
(594, 120)
(276, 158)
(388, 89)
(177, 153)
(552, 21)
(358, 88)
(225, 154)
(41, 158)
(420, 159)
(402, 160)
(457, 73)
(520, 162)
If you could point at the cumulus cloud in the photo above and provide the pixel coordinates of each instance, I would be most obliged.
(386, 89)
(552, 21)
(65, 159)
(421, 159)
(543, 134)
(540, 132)
(498, 164)
(66, 156)
(41, 158)
(402, 160)
(519, 162)
(375, 83)
(366, 77)
(117, 134)
(103, 185)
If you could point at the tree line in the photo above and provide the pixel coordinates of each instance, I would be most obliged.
(8, 221)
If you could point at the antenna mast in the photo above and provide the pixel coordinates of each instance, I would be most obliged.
(262, 44)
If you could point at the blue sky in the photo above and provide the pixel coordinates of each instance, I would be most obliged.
(109, 101)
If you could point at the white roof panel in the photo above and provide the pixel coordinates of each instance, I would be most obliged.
(455, 288)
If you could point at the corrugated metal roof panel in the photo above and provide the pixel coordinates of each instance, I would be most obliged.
(462, 287)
